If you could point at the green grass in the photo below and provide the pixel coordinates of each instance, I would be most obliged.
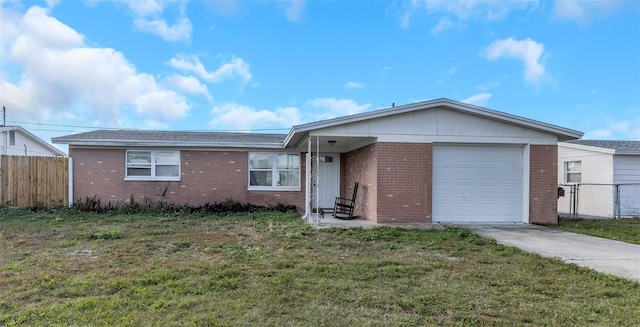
(270, 269)
(625, 230)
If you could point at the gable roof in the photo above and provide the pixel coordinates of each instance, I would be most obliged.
(619, 147)
(563, 134)
(55, 151)
(142, 138)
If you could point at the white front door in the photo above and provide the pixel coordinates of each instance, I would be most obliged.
(327, 183)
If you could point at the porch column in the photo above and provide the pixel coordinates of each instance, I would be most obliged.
(307, 189)
(317, 197)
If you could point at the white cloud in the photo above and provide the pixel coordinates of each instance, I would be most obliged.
(294, 9)
(451, 71)
(443, 25)
(188, 84)
(405, 19)
(527, 50)
(480, 99)
(236, 68)
(52, 3)
(59, 72)
(479, 9)
(461, 10)
(616, 129)
(353, 85)
(144, 8)
(330, 107)
(233, 116)
(148, 18)
(583, 12)
(181, 30)
(223, 6)
(487, 86)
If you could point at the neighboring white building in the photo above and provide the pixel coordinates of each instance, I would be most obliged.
(607, 174)
(17, 141)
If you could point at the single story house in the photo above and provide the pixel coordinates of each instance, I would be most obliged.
(17, 141)
(605, 174)
(439, 161)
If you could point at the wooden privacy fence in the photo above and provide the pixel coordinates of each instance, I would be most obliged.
(34, 181)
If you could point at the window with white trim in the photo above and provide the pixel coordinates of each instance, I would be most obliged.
(573, 171)
(268, 170)
(12, 137)
(155, 165)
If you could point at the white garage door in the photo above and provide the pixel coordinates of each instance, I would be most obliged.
(477, 183)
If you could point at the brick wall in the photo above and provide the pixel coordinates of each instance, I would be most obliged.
(404, 182)
(360, 166)
(543, 181)
(206, 177)
(395, 181)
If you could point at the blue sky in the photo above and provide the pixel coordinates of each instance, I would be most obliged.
(71, 66)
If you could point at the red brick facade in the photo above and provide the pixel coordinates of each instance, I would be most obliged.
(360, 166)
(395, 181)
(206, 177)
(543, 182)
(404, 182)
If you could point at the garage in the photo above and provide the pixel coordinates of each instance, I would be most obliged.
(477, 183)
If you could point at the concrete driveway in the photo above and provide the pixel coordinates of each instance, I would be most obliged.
(604, 255)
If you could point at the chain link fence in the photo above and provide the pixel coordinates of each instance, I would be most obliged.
(599, 200)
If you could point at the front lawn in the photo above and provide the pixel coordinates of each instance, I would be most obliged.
(625, 230)
(270, 269)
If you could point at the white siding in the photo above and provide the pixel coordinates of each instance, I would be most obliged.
(23, 144)
(597, 167)
(626, 169)
(439, 125)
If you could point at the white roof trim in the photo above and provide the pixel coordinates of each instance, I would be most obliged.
(455, 105)
(34, 138)
(152, 143)
(587, 147)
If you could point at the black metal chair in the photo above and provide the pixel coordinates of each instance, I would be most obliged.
(343, 207)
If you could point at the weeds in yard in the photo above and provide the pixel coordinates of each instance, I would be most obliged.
(110, 234)
(271, 269)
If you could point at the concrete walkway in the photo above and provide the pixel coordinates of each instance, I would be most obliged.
(604, 255)
(328, 221)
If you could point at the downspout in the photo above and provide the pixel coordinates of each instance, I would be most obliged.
(70, 182)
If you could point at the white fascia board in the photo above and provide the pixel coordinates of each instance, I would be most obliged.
(120, 143)
(586, 148)
(513, 119)
(36, 139)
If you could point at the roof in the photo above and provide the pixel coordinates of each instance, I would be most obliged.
(54, 150)
(172, 138)
(620, 147)
(142, 138)
(562, 133)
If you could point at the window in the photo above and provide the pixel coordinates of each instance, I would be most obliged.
(12, 137)
(573, 171)
(160, 165)
(274, 171)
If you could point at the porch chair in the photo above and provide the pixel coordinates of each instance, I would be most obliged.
(343, 207)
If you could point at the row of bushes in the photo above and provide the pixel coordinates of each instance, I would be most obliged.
(147, 205)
